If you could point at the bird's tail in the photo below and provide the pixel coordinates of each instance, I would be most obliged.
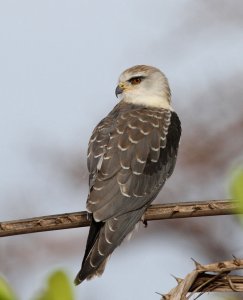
(103, 238)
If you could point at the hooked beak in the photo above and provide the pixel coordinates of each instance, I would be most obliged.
(119, 89)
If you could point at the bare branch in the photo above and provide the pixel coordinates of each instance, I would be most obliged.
(154, 212)
(209, 278)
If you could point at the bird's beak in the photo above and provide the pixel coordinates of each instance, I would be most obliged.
(120, 88)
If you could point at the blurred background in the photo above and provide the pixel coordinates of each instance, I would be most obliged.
(59, 64)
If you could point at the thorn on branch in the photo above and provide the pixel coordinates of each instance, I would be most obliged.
(197, 264)
(178, 280)
(236, 261)
(166, 297)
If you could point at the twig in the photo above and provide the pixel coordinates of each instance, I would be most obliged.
(227, 283)
(201, 280)
(154, 212)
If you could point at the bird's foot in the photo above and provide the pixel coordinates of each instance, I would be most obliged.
(145, 222)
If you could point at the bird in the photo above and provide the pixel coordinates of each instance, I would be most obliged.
(131, 154)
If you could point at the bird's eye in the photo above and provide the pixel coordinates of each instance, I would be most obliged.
(135, 80)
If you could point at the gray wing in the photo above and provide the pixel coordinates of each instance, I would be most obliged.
(131, 154)
(129, 162)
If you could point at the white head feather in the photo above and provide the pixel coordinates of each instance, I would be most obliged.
(152, 91)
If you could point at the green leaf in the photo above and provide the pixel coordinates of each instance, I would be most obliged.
(58, 288)
(236, 188)
(6, 292)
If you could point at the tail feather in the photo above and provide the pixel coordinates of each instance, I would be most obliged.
(94, 231)
(103, 238)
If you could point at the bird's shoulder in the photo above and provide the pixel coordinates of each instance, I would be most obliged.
(128, 123)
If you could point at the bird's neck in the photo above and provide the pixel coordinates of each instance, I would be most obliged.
(149, 101)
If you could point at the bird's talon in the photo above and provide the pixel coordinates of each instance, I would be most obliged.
(144, 221)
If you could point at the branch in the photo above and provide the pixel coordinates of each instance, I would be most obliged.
(201, 280)
(154, 212)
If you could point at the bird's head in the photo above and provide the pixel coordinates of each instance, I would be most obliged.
(144, 85)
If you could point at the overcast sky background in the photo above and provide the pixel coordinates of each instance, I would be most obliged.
(59, 64)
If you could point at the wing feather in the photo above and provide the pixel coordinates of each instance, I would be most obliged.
(138, 163)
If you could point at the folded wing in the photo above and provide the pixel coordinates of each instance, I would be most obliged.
(131, 154)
